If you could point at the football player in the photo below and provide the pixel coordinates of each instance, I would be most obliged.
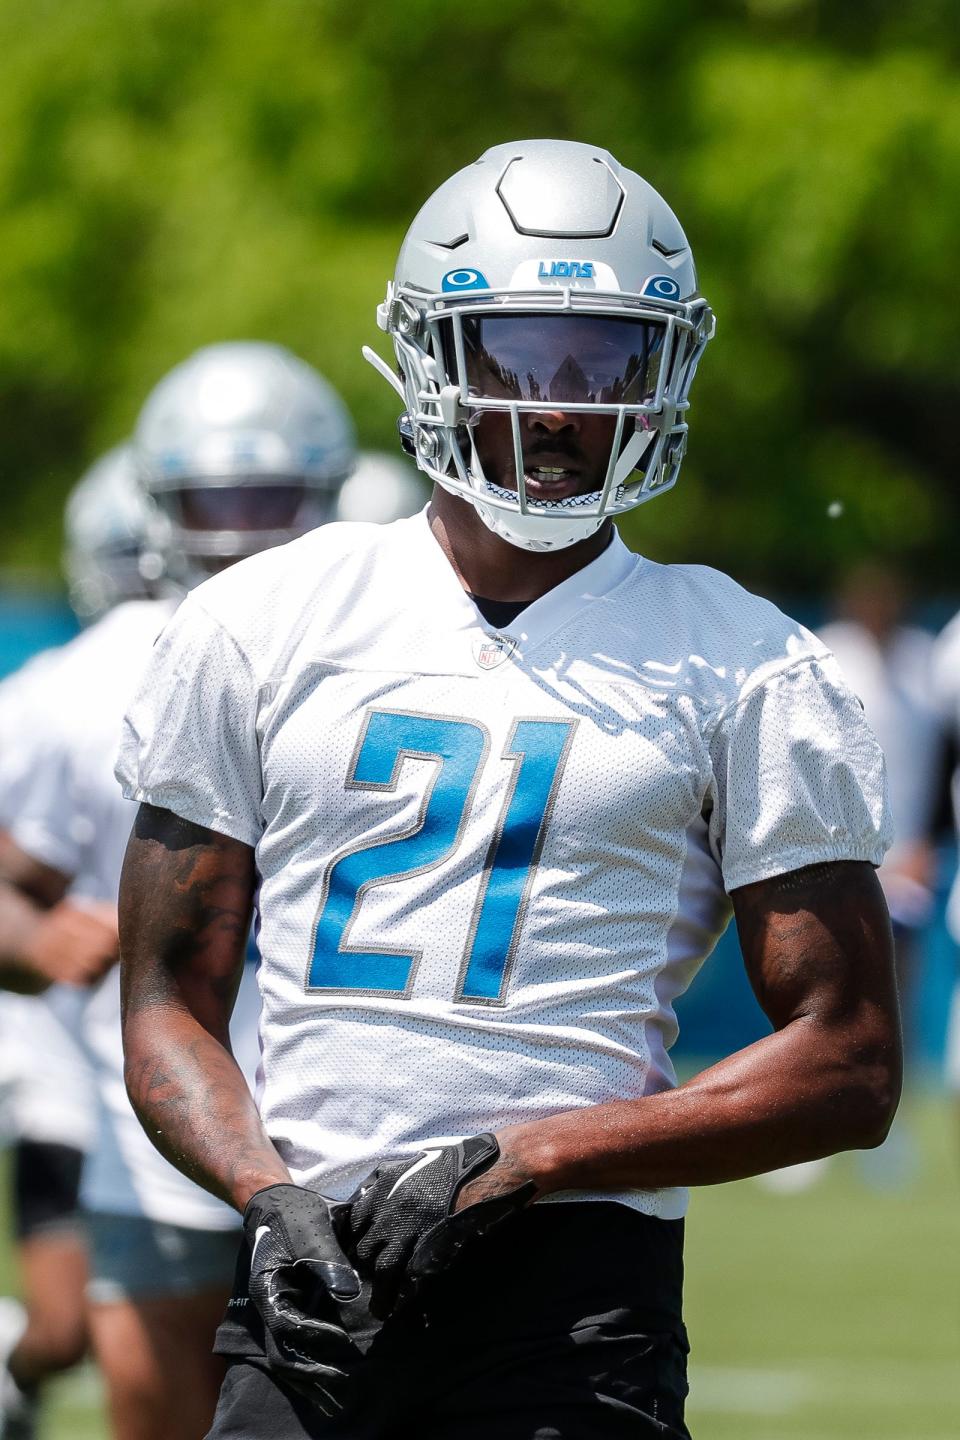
(240, 447)
(46, 1092)
(494, 782)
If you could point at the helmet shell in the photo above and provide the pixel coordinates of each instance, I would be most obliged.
(546, 202)
(239, 409)
(106, 522)
(239, 415)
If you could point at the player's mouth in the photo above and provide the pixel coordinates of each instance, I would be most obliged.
(551, 482)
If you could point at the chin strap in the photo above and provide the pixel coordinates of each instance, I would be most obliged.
(382, 368)
(634, 451)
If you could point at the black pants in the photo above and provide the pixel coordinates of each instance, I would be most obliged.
(564, 1325)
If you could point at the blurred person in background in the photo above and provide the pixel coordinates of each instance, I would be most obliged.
(239, 448)
(888, 663)
(946, 670)
(382, 488)
(47, 1102)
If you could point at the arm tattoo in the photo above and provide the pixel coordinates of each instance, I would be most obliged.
(803, 931)
(185, 905)
(186, 900)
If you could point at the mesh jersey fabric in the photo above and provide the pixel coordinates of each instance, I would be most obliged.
(66, 811)
(488, 865)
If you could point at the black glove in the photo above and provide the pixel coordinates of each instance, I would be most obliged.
(400, 1224)
(297, 1274)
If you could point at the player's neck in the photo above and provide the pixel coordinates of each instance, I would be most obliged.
(487, 565)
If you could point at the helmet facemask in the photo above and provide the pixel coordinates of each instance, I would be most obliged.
(213, 521)
(582, 356)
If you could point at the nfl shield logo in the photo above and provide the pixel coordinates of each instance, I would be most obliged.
(492, 650)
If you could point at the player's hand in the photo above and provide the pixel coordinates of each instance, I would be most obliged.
(408, 1220)
(74, 943)
(298, 1273)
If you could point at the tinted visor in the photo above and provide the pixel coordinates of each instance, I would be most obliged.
(557, 359)
(236, 507)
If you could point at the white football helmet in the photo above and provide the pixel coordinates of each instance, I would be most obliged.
(105, 523)
(239, 448)
(545, 277)
(381, 488)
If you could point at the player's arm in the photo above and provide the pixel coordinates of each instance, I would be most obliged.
(818, 951)
(45, 938)
(186, 896)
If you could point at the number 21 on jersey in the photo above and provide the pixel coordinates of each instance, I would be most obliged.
(535, 752)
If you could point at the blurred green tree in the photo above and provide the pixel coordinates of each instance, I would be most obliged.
(173, 174)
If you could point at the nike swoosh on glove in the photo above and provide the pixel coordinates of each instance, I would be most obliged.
(298, 1273)
(400, 1225)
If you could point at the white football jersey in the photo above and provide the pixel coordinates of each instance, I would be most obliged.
(69, 814)
(488, 862)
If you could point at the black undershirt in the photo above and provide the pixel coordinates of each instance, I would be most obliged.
(498, 613)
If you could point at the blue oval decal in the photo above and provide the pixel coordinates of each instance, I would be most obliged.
(661, 287)
(465, 279)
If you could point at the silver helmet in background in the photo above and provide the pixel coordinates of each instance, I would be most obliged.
(106, 523)
(381, 489)
(545, 277)
(241, 447)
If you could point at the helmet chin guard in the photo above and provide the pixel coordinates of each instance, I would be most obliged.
(545, 277)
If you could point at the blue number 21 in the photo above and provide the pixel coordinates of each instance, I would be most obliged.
(537, 750)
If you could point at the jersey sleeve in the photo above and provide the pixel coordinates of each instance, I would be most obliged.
(798, 777)
(189, 741)
(24, 726)
(49, 823)
(13, 769)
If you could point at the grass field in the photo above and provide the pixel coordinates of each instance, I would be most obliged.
(833, 1314)
(829, 1315)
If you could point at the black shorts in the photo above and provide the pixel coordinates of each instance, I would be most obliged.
(46, 1187)
(566, 1324)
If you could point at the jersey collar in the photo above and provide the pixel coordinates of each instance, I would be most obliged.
(540, 619)
(552, 611)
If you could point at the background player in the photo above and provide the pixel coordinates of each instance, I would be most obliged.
(46, 1090)
(491, 775)
(241, 446)
(382, 488)
(888, 663)
(946, 691)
